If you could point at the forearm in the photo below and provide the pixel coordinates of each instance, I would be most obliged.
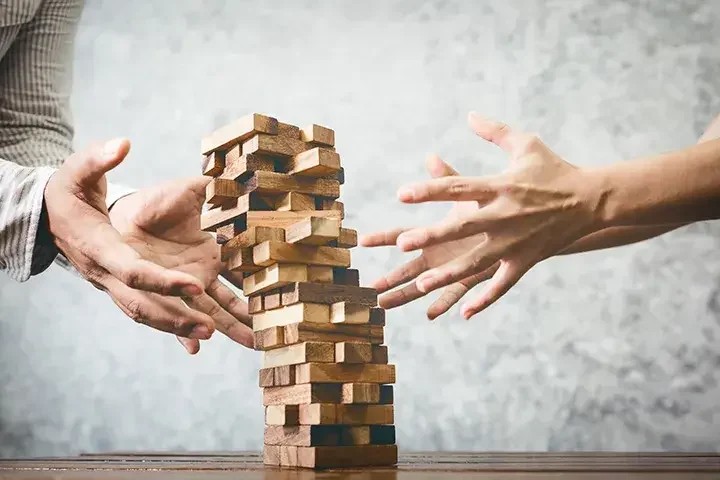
(616, 237)
(672, 188)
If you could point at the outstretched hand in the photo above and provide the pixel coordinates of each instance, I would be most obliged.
(500, 226)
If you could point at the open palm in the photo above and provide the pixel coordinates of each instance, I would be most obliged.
(162, 224)
(430, 257)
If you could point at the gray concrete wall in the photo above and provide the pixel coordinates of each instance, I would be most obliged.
(616, 350)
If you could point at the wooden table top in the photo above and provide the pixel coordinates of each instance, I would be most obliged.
(457, 465)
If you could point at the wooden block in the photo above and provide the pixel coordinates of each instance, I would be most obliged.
(238, 131)
(284, 375)
(274, 145)
(330, 204)
(346, 276)
(287, 130)
(276, 183)
(271, 455)
(299, 353)
(274, 276)
(225, 233)
(345, 312)
(331, 332)
(225, 214)
(362, 414)
(302, 394)
(221, 190)
(340, 176)
(295, 202)
(355, 456)
(241, 167)
(317, 414)
(344, 373)
(272, 300)
(251, 237)
(268, 253)
(379, 354)
(241, 260)
(313, 231)
(316, 435)
(318, 162)
(254, 304)
(357, 435)
(381, 434)
(213, 164)
(318, 134)
(360, 393)
(285, 219)
(329, 294)
(320, 274)
(353, 352)
(347, 238)
(269, 338)
(282, 415)
(377, 316)
(267, 377)
(387, 396)
(299, 312)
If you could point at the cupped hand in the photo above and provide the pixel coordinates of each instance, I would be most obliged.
(536, 208)
(162, 224)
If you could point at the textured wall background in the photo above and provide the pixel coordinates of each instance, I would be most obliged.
(616, 350)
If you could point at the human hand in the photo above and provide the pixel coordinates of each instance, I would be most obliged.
(536, 208)
(162, 224)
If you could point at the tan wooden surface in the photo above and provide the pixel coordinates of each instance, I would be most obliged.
(243, 465)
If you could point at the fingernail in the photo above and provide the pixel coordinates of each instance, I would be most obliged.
(406, 193)
(200, 332)
(112, 147)
(191, 291)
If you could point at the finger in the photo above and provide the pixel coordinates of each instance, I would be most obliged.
(381, 239)
(453, 188)
(437, 168)
(447, 230)
(88, 166)
(495, 132)
(237, 324)
(192, 346)
(224, 322)
(506, 276)
(475, 261)
(401, 275)
(453, 293)
(400, 297)
(161, 313)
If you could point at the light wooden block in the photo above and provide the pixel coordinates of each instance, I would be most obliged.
(221, 190)
(213, 164)
(345, 312)
(318, 134)
(282, 415)
(300, 312)
(275, 145)
(284, 375)
(272, 300)
(269, 338)
(302, 394)
(241, 260)
(277, 183)
(344, 373)
(299, 353)
(268, 253)
(238, 131)
(329, 294)
(318, 162)
(287, 130)
(266, 377)
(280, 455)
(330, 204)
(274, 276)
(331, 332)
(360, 393)
(348, 238)
(254, 304)
(251, 237)
(354, 456)
(313, 231)
(240, 167)
(285, 219)
(295, 202)
(353, 352)
(320, 274)
(317, 414)
(271, 455)
(225, 214)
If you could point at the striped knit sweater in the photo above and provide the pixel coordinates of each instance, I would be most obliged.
(36, 133)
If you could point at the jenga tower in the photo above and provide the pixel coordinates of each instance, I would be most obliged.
(325, 376)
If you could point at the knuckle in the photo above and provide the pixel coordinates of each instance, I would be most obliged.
(458, 187)
(131, 278)
(135, 311)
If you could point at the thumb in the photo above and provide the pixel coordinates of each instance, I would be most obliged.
(437, 167)
(89, 166)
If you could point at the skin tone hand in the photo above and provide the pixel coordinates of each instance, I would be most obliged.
(125, 259)
(536, 208)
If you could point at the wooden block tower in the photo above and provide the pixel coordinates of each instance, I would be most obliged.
(327, 385)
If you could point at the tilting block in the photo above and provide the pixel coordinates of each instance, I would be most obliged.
(239, 167)
(268, 253)
(274, 276)
(318, 162)
(313, 231)
(238, 131)
(252, 236)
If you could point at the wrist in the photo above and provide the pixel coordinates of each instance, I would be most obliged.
(600, 197)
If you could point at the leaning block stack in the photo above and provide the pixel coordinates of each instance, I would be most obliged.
(273, 203)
